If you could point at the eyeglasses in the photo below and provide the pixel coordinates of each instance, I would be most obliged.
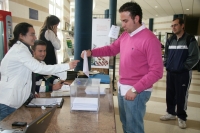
(32, 35)
(174, 25)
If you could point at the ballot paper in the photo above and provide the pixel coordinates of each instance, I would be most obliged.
(82, 103)
(85, 64)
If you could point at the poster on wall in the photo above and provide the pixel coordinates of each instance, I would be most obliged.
(100, 31)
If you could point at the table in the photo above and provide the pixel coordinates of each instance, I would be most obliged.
(65, 121)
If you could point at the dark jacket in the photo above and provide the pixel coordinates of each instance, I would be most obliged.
(180, 56)
(50, 58)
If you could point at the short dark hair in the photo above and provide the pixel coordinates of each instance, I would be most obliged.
(133, 8)
(21, 28)
(38, 42)
(180, 20)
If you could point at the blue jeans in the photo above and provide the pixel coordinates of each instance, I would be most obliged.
(5, 111)
(132, 112)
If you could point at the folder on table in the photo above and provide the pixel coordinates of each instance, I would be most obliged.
(47, 102)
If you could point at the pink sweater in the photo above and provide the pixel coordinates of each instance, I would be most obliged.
(140, 59)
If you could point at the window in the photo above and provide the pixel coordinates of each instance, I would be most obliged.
(1, 5)
(56, 8)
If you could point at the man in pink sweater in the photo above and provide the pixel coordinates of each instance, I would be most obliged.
(140, 66)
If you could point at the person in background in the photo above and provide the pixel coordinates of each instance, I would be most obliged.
(140, 66)
(51, 82)
(181, 55)
(17, 67)
(162, 47)
(48, 34)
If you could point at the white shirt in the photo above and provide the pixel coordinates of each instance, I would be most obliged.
(16, 74)
(138, 30)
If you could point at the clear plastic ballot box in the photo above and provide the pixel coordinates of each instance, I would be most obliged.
(85, 94)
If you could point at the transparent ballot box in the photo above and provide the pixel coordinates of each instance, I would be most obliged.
(85, 94)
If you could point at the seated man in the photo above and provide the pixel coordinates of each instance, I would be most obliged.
(51, 82)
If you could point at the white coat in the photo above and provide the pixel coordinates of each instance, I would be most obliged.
(16, 74)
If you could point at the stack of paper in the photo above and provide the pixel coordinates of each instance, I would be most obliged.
(94, 89)
(64, 91)
(82, 103)
(65, 88)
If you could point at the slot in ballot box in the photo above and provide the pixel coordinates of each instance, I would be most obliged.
(85, 94)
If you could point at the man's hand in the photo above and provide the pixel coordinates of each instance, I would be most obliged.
(37, 95)
(89, 53)
(57, 86)
(64, 82)
(130, 95)
(73, 64)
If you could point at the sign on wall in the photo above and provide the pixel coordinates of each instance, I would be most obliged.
(100, 31)
(33, 14)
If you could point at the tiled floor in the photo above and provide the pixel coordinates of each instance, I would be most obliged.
(156, 107)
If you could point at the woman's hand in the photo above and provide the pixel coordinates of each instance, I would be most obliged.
(55, 29)
(73, 64)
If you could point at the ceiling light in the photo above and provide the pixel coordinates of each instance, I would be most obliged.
(156, 15)
(156, 6)
(187, 9)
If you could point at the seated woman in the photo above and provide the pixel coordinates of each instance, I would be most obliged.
(18, 67)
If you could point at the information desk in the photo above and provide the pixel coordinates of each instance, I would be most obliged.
(65, 121)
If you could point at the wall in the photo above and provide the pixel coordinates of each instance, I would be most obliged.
(163, 24)
(20, 12)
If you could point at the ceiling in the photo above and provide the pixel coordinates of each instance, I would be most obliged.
(152, 8)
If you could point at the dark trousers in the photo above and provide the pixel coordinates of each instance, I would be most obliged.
(177, 93)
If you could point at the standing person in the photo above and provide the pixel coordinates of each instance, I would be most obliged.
(51, 82)
(48, 33)
(181, 55)
(17, 67)
(140, 66)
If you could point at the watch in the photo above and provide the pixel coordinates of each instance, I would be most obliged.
(134, 91)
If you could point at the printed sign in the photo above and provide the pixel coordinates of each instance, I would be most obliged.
(100, 31)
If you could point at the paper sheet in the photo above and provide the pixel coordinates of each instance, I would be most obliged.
(114, 32)
(94, 90)
(82, 103)
(62, 75)
(64, 91)
(65, 88)
(85, 64)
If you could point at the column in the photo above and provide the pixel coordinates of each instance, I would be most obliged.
(151, 24)
(106, 15)
(113, 11)
(82, 30)
(112, 16)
